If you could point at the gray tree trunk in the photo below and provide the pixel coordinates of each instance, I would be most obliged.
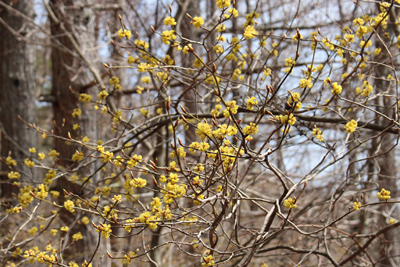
(17, 85)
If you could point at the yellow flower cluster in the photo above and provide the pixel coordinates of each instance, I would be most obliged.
(133, 161)
(290, 203)
(216, 111)
(250, 19)
(384, 194)
(180, 152)
(223, 3)
(197, 22)
(104, 229)
(365, 89)
(141, 44)
(150, 220)
(115, 81)
(230, 107)
(124, 33)
(204, 130)
(76, 112)
(336, 88)
(202, 146)
(13, 210)
(53, 153)
(251, 102)
(283, 119)
(85, 97)
(295, 37)
(351, 126)
(357, 205)
(35, 255)
(224, 130)
(69, 205)
(106, 156)
(172, 191)
(137, 182)
(10, 161)
(29, 163)
(250, 129)
(169, 21)
(208, 261)
(250, 32)
(14, 175)
(168, 36)
(78, 156)
(294, 98)
(51, 174)
(42, 191)
(127, 258)
(305, 83)
(77, 236)
(318, 134)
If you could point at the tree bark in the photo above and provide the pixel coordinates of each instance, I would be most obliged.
(17, 85)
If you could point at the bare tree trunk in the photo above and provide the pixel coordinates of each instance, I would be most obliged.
(70, 76)
(386, 163)
(17, 85)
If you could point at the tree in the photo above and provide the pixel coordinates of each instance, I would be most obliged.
(241, 137)
(17, 90)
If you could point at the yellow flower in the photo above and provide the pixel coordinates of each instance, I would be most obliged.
(77, 236)
(250, 129)
(169, 21)
(117, 198)
(290, 203)
(85, 97)
(54, 193)
(351, 126)
(14, 175)
(208, 261)
(357, 205)
(336, 88)
(41, 156)
(32, 150)
(64, 229)
(105, 230)
(233, 11)
(168, 36)
(29, 163)
(106, 156)
(197, 22)
(69, 205)
(78, 156)
(146, 79)
(33, 230)
(53, 153)
(305, 83)
(250, 32)
(295, 37)
(85, 220)
(53, 232)
(377, 51)
(187, 48)
(10, 161)
(124, 33)
(384, 194)
(223, 3)
(145, 112)
(76, 112)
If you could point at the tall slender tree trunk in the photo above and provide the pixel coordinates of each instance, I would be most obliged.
(17, 85)
(70, 75)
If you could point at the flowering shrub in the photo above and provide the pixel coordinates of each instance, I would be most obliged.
(250, 105)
